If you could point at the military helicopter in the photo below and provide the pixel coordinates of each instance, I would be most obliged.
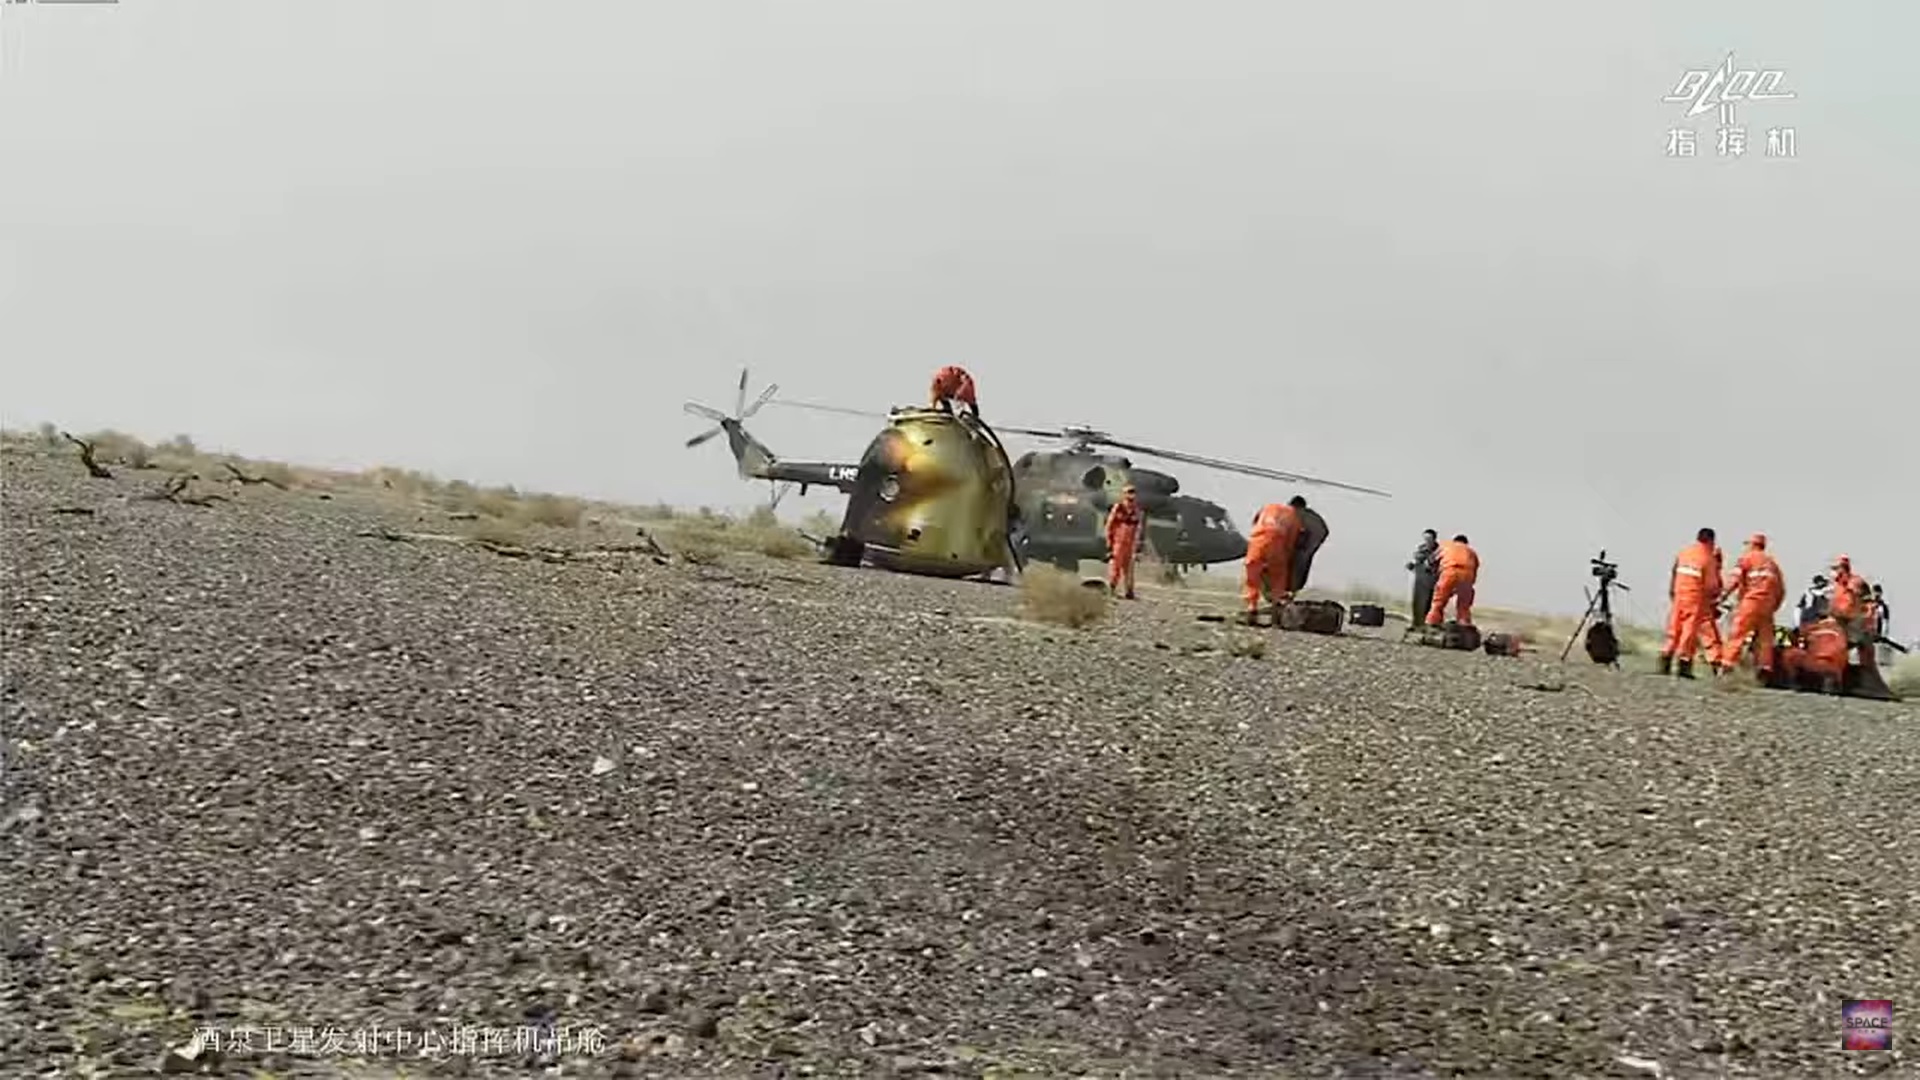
(1064, 495)
(936, 493)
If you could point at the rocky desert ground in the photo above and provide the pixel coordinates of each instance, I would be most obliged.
(269, 769)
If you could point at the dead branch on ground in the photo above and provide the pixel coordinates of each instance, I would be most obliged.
(94, 468)
(244, 479)
(80, 511)
(1556, 687)
(175, 491)
(518, 551)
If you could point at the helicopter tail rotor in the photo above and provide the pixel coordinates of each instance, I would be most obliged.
(742, 409)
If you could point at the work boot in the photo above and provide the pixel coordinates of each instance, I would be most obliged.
(1130, 595)
(1685, 669)
(1666, 664)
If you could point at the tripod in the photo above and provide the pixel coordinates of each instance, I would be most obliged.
(1602, 645)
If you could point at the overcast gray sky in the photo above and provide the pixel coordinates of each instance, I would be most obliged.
(1435, 248)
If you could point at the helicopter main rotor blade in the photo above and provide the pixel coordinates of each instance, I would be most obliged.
(832, 409)
(765, 396)
(1238, 467)
(740, 395)
(1036, 432)
(705, 412)
(703, 436)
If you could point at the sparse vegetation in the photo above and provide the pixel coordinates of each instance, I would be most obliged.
(501, 514)
(495, 531)
(705, 536)
(1247, 646)
(1051, 595)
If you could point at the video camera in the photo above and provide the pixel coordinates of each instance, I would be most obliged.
(1608, 573)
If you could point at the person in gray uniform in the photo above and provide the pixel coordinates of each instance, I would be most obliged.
(1425, 566)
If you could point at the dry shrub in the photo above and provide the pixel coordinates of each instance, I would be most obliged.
(1249, 646)
(1903, 678)
(781, 543)
(495, 531)
(704, 536)
(700, 551)
(119, 448)
(554, 510)
(502, 502)
(408, 483)
(1051, 595)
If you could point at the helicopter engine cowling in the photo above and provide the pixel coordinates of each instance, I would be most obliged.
(1152, 481)
(1154, 489)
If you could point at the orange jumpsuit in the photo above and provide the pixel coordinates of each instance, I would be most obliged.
(1123, 540)
(1459, 570)
(1276, 528)
(1694, 588)
(1852, 609)
(1846, 592)
(1761, 588)
(953, 383)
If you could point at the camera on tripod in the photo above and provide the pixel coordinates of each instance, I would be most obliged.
(1603, 646)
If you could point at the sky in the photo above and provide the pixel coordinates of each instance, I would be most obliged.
(1439, 249)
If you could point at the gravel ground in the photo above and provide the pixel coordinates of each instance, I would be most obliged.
(762, 818)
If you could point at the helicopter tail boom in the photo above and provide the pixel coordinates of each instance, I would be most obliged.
(756, 462)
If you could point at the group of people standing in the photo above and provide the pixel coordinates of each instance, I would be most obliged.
(1446, 572)
(1699, 590)
(1755, 590)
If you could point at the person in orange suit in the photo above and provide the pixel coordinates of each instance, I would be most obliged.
(1276, 529)
(1846, 604)
(1693, 587)
(1459, 570)
(1851, 608)
(1125, 524)
(952, 384)
(1761, 587)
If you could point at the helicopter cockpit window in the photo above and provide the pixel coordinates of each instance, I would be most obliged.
(1025, 462)
(1095, 478)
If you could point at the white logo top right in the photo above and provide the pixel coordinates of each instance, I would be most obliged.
(1703, 90)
